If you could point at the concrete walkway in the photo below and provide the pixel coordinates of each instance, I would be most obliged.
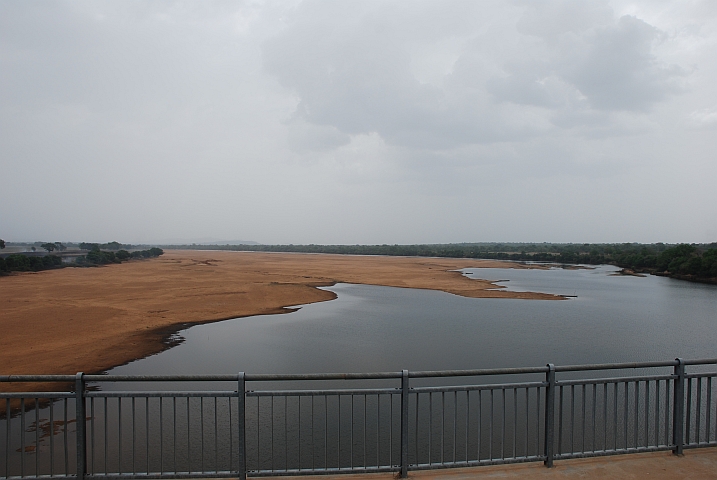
(694, 465)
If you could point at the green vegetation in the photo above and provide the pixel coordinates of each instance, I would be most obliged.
(101, 257)
(690, 262)
(53, 246)
(113, 246)
(98, 254)
(22, 263)
(2, 243)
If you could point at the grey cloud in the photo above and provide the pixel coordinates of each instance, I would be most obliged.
(141, 121)
(616, 69)
(350, 67)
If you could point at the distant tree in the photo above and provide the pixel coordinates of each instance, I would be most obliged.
(2, 243)
(111, 246)
(89, 246)
(33, 249)
(60, 247)
(49, 246)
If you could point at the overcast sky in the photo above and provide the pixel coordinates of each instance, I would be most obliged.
(358, 122)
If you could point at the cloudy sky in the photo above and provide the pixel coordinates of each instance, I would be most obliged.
(358, 122)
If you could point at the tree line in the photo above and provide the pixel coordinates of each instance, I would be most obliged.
(689, 261)
(96, 255)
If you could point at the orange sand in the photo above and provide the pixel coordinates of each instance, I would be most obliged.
(92, 319)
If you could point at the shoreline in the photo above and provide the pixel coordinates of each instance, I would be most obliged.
(78, 319)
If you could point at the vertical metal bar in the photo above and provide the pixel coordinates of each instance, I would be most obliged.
(174, 433)
(64, 432)
(326, 432)
(647, 412)
(490, 445)
(241, 425)
(468, 418)
(390, 429)
(201, 431)
(104, 411)
(560, 420)
(378, 430)
(515, 421)
(637, 413)
(667, 412)
(404, 424)
(418, 397)
(537, 421)
(527, 420)
(338, 461)
(604, 417)
(657, 412)
(286, 432)
(678, 408)
(351, 450)
(688, 412)
(161, 436)
(80, 426)
(231, 435)
(549, 415)
(502, 430)
(7, 438)
(134, 434)
(614, 414)
(189, 436)
(443, 426)
(455, 422)
(216, 437)
(365, 397)
(146, 430)
(430, 426)
(582, 398)
(594, 408)
(480, 421)
(708, 421)
(22, 437)
(313, 466)
(625, 417)
(37, 437)
(572, 418)
(272, 429)
(698, 412)
(92, 432)
(52, 436)
(258, 415)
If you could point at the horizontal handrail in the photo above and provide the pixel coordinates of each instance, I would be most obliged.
(351, 376)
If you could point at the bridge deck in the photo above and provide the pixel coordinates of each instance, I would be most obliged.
(694, 465)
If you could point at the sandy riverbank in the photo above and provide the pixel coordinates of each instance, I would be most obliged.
(92, 319)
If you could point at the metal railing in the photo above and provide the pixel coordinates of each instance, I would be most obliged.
(297, 425)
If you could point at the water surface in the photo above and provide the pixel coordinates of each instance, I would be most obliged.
(371, 328)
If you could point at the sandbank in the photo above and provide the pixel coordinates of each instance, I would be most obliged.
(92, 319)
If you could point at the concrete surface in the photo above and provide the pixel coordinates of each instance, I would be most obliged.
(693, 465)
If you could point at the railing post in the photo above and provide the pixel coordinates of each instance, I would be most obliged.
(549, 415)
(80, 422)
(678, 408)
(241, 396)
(404, 424)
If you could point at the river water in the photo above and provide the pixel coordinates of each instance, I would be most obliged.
(611, 318)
